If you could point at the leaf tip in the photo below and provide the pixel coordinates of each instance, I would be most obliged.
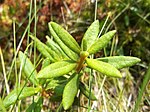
(65, 107)
(96, 21)
(114, 31)
(39, 76)
(138, 60)
(119, 75)
(52, 23)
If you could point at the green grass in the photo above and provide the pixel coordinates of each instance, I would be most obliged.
(142, 90)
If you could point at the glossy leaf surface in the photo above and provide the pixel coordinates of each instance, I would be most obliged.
(12, 97)
(101, 42)
(69, 52)
(56, 69)
(85, 90)
(90, 36)
(65, 37)
(103, 67)
(28, 68)
(120, 61)
(70, 91)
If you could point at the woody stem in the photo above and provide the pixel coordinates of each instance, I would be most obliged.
(83, 56)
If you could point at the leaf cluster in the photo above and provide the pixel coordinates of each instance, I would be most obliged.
(64, 63)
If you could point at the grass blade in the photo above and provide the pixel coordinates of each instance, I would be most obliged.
(85, 90)
(141, 90)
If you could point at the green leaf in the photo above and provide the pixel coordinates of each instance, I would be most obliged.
(45, 50)
(39, 105)
(85, 90)
(120, 61)
(59, 89)
(65, 37)
(101, 42)
(36, 106)
(54, 83)
(2, 108)
(58, 92)
(103, 67)
(68, 51)
(57, 69)
(14, 95)
(90, 36)
(70, 91)
(45, 63)
(28, 68)
(55, 47)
